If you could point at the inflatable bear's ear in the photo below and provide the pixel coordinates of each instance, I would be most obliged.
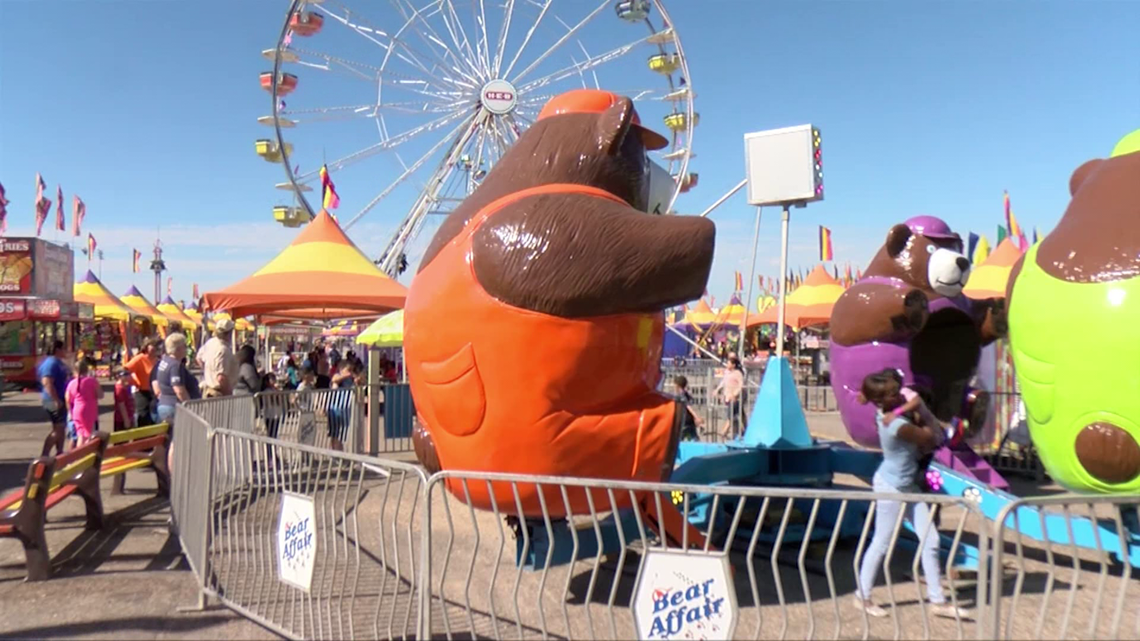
(1081, 175)
(613, 126)
(897, 239)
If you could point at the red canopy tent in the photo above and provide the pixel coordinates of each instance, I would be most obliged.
(321, 275)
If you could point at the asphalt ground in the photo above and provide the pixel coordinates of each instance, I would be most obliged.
(125, 581)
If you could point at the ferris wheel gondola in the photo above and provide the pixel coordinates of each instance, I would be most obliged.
(447, 86)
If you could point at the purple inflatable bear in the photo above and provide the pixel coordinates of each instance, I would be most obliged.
(908, 313)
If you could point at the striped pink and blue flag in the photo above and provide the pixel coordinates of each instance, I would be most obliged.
(78, 212)
(59, 224)
(3, 211)
(43, 205)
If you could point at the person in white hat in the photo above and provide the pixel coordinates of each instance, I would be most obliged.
(219, 366)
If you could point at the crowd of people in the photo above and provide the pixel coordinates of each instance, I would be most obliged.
(159, 377)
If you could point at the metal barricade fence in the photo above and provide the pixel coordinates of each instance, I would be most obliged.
(775, 558)
(1077, 583)
(234, 412)
(311, 543)
(395, 554)
(189, 487)
(315, 544)
(324, 418)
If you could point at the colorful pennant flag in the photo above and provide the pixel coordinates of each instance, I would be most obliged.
(825, 252)
(195, 292)
(3, 212)
(59, 224)
(1034, 235)
(329, 197)
(739, 283)
(169, 286)
(91, 245)
(43, 205)
(136, 255)
(78, 212)
(847, 276)
(1001, 233)
(981, 251)
(972, 244)
(1013, 229)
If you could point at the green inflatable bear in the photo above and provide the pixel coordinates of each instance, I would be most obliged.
(1074, 326)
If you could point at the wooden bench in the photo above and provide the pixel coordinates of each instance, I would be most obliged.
(23, 512)
(135, 449)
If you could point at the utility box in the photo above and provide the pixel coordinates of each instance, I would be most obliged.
(784, 166)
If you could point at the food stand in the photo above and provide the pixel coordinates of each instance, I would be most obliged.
(36, 305)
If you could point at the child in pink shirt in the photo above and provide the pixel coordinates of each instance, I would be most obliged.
(83, 394)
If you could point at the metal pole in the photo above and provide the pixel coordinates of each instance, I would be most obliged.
(783, 282)
(268, 357)
(720, 201)
(751, 281)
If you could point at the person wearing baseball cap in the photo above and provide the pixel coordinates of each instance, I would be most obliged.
(218, 363)
(596, 101)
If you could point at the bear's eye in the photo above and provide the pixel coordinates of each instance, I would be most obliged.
(930, 249)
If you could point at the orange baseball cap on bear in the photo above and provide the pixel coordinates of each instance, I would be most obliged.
(595, 101)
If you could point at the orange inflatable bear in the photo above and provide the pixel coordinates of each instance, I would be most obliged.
(535, 323)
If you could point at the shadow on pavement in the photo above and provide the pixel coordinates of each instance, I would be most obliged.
(125, 626)
(88, 551)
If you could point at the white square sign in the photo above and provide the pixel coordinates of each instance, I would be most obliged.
(307, 428)
(296, 541)
(684, 596)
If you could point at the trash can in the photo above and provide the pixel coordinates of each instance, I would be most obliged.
(399, 409)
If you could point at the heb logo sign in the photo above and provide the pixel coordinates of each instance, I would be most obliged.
(684, 596)
(296, 541)
(499, 97)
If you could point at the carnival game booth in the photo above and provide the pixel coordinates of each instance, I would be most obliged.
(110, 332)
(37, 307)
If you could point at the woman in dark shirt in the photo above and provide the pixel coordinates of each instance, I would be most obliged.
(249, 381)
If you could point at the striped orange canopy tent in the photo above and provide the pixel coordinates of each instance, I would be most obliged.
(136, 301)
(700, 314)
(91, 290)
(320, 275)
(171, 309)
(732, 313)
(810, 303)
(989, 279)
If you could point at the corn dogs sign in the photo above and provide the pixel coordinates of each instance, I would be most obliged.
(15, 266)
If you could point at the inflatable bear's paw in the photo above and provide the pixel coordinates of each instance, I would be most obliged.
(424, 446)
(916, 309)
(999, 317)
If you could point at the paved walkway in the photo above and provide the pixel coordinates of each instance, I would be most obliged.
(123, 582)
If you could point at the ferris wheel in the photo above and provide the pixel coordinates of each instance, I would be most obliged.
(420, 98)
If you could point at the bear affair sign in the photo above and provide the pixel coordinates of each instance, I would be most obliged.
(296, 541)
(684, 596)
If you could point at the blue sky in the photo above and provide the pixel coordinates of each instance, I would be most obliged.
(147, 110)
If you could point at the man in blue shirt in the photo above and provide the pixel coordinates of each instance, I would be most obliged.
(53, 376)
